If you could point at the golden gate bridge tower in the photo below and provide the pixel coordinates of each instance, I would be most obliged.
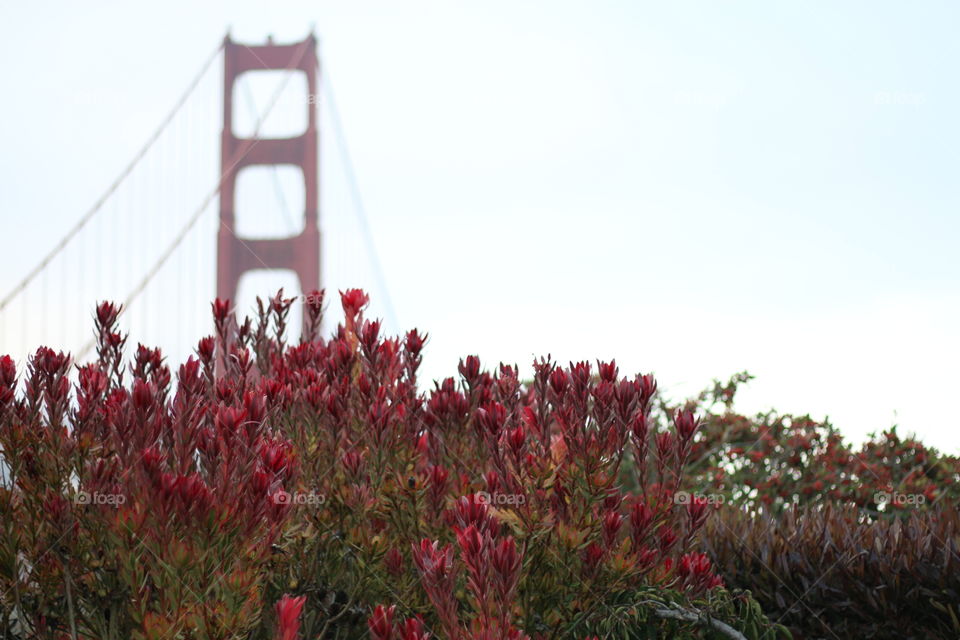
(299, 253)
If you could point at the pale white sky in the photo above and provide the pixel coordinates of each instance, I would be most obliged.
(692, 187)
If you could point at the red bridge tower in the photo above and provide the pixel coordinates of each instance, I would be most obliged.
(299, 253)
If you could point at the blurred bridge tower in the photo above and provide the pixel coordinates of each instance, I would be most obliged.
(300, 253)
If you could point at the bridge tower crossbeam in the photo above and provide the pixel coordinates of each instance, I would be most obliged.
(299, 253)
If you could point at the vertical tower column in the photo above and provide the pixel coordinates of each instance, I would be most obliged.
(300, 253)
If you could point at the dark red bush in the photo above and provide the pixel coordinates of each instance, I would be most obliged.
(833, 572)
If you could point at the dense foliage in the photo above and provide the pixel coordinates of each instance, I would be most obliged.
(834, 541)
(832, 572)
(313, 490)
(778, 460)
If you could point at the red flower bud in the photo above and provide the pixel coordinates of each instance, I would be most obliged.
(638, 426)
(364, 384)
(228, 420)
(516, 438)
(107, 314)
(221, 310)
(205, 349)
(640, 518)
(142, 395)
(353, 301)
(505, 558)
(471, 541)
(438, 478)
(607, 370)
(434, 564)
(188, 375)
(686, 424)
(470, 370)
(529, 417)
(648, 386)
(413, 629)
(558, 382)
(352, 462)
(611, 526)
(506, 563)
(491, 418)
(8, 372)
(664, 445)
(580, 374)
(473, 510)
(423, 444)
(288, 611)
(369, 334)
(696, 572)
(414, 342)
(697, 510)
(275, 456)
(50, 362)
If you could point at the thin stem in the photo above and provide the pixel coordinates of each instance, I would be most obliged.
(70, 611)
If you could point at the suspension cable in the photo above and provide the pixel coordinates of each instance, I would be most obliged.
(113, 186)
(198, 213)
(358, 201)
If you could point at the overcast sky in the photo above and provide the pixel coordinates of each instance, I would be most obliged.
(692, 187)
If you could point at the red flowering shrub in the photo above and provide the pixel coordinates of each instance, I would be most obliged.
(777, 460)
(806, 523)
(275, 490)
